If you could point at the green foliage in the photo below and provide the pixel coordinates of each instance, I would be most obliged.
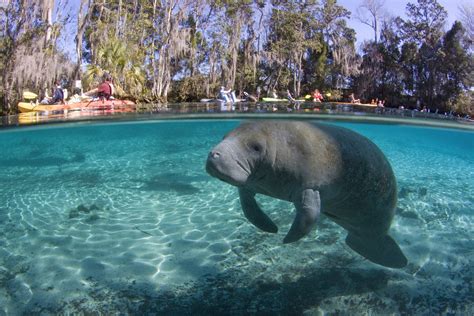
(184, 50)
(455, 65)
(29, 54)
(189, 89)
(332, 95)
(425, 23)
(464, 103)
(114, 58)
(416, 61)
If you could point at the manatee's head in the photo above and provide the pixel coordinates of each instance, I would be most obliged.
(237, 157)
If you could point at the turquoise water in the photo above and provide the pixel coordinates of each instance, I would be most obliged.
(122, 218)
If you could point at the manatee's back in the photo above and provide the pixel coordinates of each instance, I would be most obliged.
(303, 151)
(366, 184)
(351, 171)
(361, 192)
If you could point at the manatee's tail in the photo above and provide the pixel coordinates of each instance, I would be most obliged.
(384, 250)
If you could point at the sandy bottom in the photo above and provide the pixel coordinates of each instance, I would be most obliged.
(124, 219)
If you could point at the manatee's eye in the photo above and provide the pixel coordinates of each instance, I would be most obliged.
(256, 147)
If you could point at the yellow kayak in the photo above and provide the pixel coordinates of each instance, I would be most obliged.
(25, 107)
(28, 95)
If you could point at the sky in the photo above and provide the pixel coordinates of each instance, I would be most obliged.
(364, 32)
(396, 8)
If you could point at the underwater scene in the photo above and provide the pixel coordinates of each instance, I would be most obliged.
(124, 219)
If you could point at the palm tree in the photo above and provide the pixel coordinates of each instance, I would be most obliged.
(116, 59)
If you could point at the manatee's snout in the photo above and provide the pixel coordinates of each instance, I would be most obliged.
(223, 163)
(212, 161)
(213, 155)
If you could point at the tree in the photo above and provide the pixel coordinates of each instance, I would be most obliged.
(422, 31)
(171, 43)
(114, 58)
(341, 41)
(28, 50)
(82, 19)
(456, 66)
(182, 50)
(292, 32)
(467, 18)
(391, 87)
(380, 72)
(425, 22)
(374, 8)
(317, 67)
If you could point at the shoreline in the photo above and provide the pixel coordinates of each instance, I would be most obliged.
(204, 111)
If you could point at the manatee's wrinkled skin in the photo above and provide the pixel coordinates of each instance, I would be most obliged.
(320, 168)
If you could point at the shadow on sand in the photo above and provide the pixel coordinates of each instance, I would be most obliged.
(234, 292)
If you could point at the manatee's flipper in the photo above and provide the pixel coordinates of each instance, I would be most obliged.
(308, 207)
(253, 212)
(384, 250)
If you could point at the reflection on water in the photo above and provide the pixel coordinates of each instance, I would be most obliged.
(318, 110)
(124, 219)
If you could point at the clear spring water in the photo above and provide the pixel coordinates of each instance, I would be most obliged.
(122, 218)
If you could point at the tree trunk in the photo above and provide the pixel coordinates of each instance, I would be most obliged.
(234, 47)
(12, 31)
(82, 19)
(119, 19)
(152, 54)
(48, 6)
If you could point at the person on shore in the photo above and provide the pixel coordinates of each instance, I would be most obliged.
(274, 94)
(289, 96)
(224, 95)
(353, 99)
(249, 97)
(293, 101)
(317, 96)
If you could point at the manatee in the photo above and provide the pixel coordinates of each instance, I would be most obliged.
(320, 169)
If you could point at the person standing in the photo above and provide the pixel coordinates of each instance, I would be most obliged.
(224, 94)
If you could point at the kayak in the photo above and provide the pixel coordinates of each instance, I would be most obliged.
(28, 95)
(221, 101)
(280, 100)
(74, 114)
(25, 107)
(274, 100)
(365, 104)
